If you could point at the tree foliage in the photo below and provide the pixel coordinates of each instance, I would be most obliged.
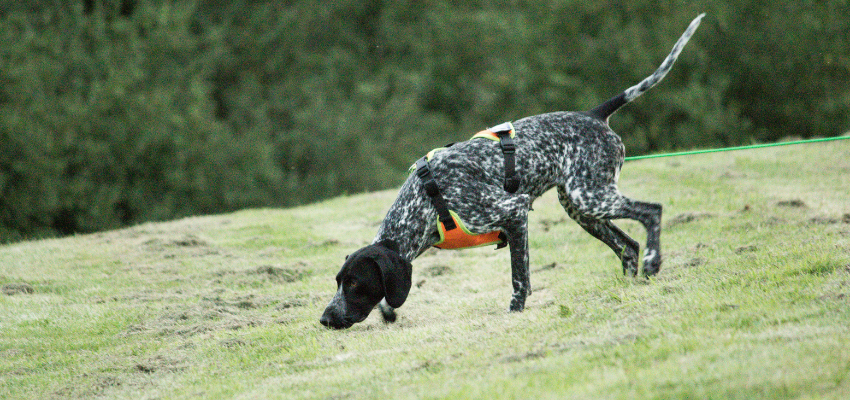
(118, 112)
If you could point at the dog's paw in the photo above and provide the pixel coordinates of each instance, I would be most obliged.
(517, 305)
(630, 267)
(651, 263)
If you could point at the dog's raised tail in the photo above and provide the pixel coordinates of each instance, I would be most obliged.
(604, 110)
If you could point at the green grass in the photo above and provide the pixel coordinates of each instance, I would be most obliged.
(753, 301)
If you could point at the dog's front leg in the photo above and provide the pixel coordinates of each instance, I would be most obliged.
(518, 242)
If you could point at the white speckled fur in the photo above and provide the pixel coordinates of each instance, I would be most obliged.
(575, 152)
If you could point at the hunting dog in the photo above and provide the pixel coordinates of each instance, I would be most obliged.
(575, 152)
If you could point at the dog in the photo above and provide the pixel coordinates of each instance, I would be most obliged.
(575, 152)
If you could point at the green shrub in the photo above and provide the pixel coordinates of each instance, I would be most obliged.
(118, 112)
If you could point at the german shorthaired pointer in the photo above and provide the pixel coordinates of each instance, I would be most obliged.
(575, 152)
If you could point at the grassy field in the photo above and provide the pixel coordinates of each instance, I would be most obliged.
(753, 301)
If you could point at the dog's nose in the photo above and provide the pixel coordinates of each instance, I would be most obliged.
(325, 320)
(330, 319)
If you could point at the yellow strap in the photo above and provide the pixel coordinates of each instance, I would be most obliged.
(488, 134)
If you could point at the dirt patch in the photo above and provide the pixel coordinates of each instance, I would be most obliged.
(437, 270)
(262, 275)
(178, 246)
(547, 224)
(106, 382)
(291, 303)
(821, 220)
(185, 241)
(746, 249)
(795, 203)
(695, 262)
(279, 274)
(148, 296)
(210, 314)
(532, 355)
(546, 267)
(247, 302)
(732, 175)
(429, 365)
(232, 343)
(325, 243)
(217, 313)
(161, 363)
(671, 290)
(825, 220)
(833, 297)
(189, 241)
(11, 289)
(561, 347)
(686, 218)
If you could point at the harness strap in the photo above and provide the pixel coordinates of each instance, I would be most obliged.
(504, 134)
(423, 170)
(452, 237)
(509, 150)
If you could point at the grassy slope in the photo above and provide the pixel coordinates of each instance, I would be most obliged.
(752, 301)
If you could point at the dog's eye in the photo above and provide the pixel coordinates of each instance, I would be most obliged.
(351, 284)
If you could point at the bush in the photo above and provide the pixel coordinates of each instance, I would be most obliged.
(106, 122)
(118, 112)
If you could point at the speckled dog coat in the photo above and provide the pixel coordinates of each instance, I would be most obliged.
(575, 152)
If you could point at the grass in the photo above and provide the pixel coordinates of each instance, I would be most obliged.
(752, 301)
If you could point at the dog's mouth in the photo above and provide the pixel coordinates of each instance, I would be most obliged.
(344, 322)
(337, 325)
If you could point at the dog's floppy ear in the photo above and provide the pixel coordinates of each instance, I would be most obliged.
(396, 273)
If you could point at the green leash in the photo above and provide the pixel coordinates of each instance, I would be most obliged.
(754, 146)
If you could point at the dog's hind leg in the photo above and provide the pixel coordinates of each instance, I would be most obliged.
(622, 244)
(606, 203)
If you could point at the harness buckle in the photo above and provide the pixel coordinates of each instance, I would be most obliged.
(422, 170)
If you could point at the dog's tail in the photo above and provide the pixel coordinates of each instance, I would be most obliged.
(604, 110)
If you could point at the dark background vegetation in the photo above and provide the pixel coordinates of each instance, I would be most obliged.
(118, 112)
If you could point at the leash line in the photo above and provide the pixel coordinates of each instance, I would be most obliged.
(754, 146)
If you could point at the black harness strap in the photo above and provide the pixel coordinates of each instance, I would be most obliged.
(506, 142)
(509, 150)
(423, 170)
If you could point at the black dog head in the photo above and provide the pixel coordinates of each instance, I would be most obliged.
(372, 273)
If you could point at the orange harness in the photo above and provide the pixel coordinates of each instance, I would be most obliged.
(453, 233)
(461, 238)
